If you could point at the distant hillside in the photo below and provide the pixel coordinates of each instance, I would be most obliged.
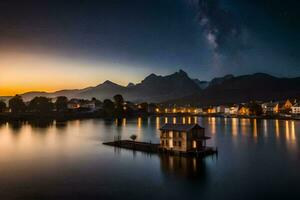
(68, 93)
(153, 88)
(103, 91)
(239, 89)
(179, 88)
(5, 99)
(201, 84)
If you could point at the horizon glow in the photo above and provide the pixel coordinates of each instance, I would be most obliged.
(54, 45)
(23, 72)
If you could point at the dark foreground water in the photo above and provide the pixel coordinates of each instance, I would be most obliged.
(258, 159)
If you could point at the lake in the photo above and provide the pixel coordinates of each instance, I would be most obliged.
(258, 159)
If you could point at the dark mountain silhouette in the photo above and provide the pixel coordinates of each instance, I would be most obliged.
(179, 88)
(153, 88)
(157, 88)
(201, 84)
(130, 84)
(245, 88)
(68, 93)
(106, 90)
(215, 81)
(220, 80)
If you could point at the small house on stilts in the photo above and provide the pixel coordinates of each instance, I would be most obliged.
(183, 138)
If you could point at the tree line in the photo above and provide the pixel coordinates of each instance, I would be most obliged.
(37, 104)
(116, 107)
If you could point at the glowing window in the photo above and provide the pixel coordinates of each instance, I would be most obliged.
(194, 144)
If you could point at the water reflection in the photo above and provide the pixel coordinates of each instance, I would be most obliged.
(33, 151)
(139, 122)
(287, 131)
(234, 126)
(15, 126)
(293, 135)
(265, 122)
(277, 132)
(124, 122)
(174, 120)
(166, 120)
(184, 167)
(244, 125)
(283, 131)
(255, 129)
(157, 123)
(213, 125)
(195, 120)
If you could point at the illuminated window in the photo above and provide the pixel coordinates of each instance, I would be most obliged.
(171, 143)
(194, 144)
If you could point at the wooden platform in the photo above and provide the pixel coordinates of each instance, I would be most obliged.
(155, 148)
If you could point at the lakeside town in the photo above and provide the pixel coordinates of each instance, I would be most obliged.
(16, 108)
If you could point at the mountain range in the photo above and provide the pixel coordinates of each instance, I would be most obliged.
(179, 88)
(153, 88)
(230, 89)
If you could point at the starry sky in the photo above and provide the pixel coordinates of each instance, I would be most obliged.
(52, 45)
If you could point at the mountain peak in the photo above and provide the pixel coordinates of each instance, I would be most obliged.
(182, 72)
(130, 84)
(264, 75)
(150, 77)
(108, 82)
(220, 80)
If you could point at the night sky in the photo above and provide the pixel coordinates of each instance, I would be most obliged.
(50, 45)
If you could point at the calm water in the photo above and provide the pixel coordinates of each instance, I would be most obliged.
(258, 159)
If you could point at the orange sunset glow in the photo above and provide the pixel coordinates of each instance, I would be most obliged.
(24, 72)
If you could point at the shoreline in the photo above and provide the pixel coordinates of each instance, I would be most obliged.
(64, 116)
(229, 116)
(61, 116)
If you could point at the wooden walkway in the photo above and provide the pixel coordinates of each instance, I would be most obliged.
(155, 148)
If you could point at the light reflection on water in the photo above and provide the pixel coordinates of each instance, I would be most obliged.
(281, 130)
(35, 150)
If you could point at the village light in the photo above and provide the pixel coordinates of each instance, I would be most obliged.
(157, 110)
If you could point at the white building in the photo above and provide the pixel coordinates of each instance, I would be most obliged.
(88, 105)
(73, 104)
(198, 110)
(233, 110)
(270, 108)
(220, 109)
(296, 109)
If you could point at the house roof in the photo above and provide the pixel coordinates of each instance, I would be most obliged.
(179, 127)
